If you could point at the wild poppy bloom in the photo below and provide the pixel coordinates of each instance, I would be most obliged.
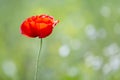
(38, 26)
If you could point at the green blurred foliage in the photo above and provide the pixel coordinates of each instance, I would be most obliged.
(85, 45)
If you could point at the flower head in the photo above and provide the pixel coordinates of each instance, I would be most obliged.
(38, 26)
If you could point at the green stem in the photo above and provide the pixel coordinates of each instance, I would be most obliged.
(36, 72)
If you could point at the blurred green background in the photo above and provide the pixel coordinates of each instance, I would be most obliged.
(85, 45)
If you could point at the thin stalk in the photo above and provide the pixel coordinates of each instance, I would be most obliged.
(36, 72)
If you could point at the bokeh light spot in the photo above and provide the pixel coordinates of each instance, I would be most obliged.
(64, 51)
(105, 11)
(9, 68)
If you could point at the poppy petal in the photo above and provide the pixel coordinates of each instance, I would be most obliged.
(38, 26)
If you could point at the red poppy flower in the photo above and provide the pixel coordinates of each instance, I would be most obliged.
(38, 26)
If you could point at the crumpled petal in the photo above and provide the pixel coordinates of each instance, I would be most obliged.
(38, 26)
